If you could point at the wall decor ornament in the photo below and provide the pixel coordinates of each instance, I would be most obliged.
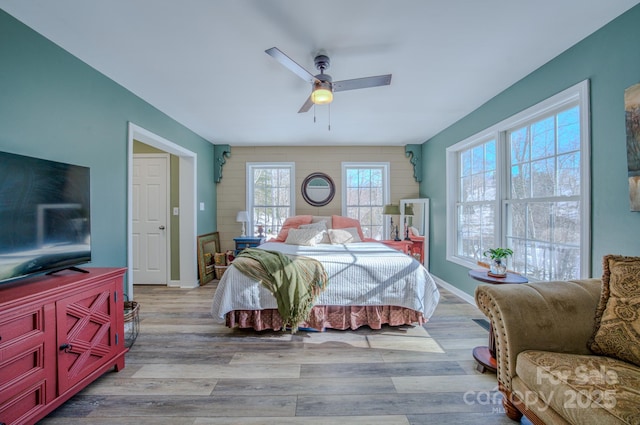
(220, 153)
(632, 118)
(414, 153)
(318, 189)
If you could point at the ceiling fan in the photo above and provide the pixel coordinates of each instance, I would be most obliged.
(323, 85)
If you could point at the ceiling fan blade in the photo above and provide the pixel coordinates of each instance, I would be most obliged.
(362, 83)
(307, 105)
(290, 64)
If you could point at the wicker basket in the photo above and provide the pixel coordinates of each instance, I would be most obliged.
(131, 322)
(220, 271)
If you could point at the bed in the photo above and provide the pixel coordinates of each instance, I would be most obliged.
(369, 284)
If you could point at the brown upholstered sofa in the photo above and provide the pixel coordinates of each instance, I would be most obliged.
(546, 370)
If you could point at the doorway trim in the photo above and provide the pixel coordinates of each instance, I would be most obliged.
(188, 190)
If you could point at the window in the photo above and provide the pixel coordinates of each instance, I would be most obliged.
(365, 191)
(524, 184)
(270, 196)
(476, 206)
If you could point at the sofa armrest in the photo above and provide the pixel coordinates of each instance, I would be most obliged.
(548, 316)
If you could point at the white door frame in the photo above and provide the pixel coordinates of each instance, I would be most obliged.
(188, 221)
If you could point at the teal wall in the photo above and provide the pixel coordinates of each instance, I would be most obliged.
(609, 59)
(54, 106)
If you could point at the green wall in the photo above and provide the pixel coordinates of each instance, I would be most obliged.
(609, 59)
(54, 106)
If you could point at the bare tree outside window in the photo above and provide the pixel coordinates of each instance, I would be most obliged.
(270, 197)
(365, 187)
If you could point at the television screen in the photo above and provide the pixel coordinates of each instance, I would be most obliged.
(44, 216)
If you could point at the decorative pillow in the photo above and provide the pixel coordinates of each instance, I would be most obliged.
(321, 227)
(304, 237)
(341, 222)
(292, 223)
(322, 219)
(343, 236)
(617, 326)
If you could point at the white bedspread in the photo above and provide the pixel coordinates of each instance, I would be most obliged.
(367, 273)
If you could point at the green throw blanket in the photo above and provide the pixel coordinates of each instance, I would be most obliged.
(295, 282)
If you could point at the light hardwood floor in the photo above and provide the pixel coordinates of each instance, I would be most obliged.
(185, 368)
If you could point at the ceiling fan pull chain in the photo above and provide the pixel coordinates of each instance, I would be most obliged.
(329, 127)
(314, 113)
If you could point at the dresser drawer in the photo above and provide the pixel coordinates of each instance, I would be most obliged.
(246, 242)
(20, 328)
(21, 368)
(24, 405)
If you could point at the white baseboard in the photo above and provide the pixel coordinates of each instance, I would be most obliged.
(454, 290)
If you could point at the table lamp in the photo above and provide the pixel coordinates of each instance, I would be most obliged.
(408, 212)
(392, 210)
(242, 217)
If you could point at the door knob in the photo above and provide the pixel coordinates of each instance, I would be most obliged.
(161, 227)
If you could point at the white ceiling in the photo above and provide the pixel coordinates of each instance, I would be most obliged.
(202, 62)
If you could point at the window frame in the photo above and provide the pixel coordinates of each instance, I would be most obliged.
(386, 186)
(577, 94)
(250, 168)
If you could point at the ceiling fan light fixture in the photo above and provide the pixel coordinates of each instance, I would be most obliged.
(322, 93)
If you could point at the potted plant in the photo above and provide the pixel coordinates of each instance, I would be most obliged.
(498, 257)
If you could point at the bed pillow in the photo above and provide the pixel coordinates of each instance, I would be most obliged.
(292, 223)
(617, 324)
(341, 222)
(321, 227)
(302, 237)
(322, 219)
(344, 236)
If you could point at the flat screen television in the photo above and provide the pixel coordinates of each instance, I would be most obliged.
(44, 216)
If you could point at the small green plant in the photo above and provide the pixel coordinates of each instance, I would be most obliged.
(498, 254)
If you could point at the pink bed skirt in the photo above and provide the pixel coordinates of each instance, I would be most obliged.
(329, 317)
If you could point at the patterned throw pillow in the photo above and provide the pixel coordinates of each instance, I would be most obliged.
(302, 237)
(292, 223)
(321, 227)
(617, 326)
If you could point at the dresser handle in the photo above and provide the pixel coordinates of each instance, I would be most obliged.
(66, 347)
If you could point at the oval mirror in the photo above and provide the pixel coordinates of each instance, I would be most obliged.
(318, 189)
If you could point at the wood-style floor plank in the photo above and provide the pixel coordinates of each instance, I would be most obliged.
(186, 368)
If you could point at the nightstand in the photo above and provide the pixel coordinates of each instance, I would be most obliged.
(404, 246)
(247, 242)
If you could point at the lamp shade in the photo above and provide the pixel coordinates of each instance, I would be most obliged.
(242, 217)
(322, 93)
(391, 209)
(408, 210)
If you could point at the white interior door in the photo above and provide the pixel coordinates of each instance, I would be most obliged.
(150, 218)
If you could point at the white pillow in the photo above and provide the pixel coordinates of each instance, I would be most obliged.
(321, 219)
(344, 236)
(303, 237)
(321, 227)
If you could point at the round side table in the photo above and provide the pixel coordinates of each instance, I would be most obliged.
(485, 355)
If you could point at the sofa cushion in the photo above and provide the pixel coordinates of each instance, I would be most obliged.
(584, 389)
(617, 322)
